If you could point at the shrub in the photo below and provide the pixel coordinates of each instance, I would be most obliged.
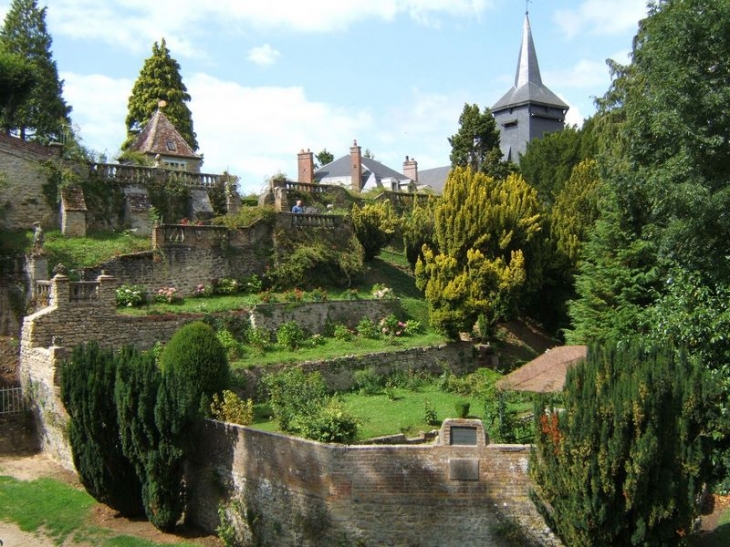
(318, 295)
(259, 338)
(131, 296)
(391, 326)
(294, 295)
(381, 292)
(367, 328)
(198, 358)
(168, 295)
(230, 408)
(429, 413)
(290, 335)
(342, 333)
(332, 424)
(368, 381)
(413, 327)
(226, 286)
(229, 343)
(462, 409)
(294, 395)
(202, 290)
(251, 284)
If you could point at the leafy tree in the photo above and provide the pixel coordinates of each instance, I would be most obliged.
(87, 388)
(323, 158)
(625, 461)
(374, 225)
(476, 144)
(667, 169)
(160, 80)
(44, 113)
(477, 265)
(17, 79)
(549, 161)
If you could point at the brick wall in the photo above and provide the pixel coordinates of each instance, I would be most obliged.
(281, 490)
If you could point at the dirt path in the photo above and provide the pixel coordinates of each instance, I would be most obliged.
(36, 466)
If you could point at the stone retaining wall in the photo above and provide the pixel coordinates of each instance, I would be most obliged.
(280, 490)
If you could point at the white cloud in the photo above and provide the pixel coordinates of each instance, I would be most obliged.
(585, 74)
(255, 132)
(601, 17)
(99, 109)
(263, 55)
(134, 24)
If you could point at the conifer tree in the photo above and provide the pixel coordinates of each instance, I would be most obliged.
(374, 226)
(476, 144)
(17, 79)
(625, 461)
(478, 263)
(87, 392)
(160, 80)
(43, 115)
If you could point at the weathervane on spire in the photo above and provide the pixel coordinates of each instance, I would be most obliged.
(527, 7)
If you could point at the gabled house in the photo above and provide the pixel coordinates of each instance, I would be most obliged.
(529, 109)
(359, 173)
(162, 143)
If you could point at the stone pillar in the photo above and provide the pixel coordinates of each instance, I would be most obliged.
(305, 161)
(60, 291)
(107, 290)
(356, 167)
(233, 199)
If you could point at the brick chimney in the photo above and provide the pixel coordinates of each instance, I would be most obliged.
(355, 167)
(410, 169)
(305, 161)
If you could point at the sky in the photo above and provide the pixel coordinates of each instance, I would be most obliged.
(269, 78)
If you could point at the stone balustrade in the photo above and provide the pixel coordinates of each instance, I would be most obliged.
(136, 174)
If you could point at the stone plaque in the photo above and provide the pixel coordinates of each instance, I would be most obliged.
(463, 436)
(461, 469)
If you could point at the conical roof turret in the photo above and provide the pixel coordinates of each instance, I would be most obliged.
(528, 86)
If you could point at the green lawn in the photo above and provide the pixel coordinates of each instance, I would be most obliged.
(92, 250)
(62, 512)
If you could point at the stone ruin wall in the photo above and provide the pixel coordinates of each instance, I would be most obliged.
(280, 490)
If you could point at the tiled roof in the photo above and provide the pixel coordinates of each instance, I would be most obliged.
(546, 374)
(159, 136)
(528, 87)
(342, 167)
(434, 178)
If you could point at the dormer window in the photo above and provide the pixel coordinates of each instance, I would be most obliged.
(171, 146)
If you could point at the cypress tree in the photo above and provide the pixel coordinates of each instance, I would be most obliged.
(160, 80)
(87, 389)
(43, 115)
(625, 461)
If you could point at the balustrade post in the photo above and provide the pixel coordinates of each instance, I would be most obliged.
(107, 290)
(60, 291)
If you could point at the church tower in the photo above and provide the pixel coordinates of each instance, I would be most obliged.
(529, 110)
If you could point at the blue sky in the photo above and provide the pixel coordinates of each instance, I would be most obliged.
(269, 78)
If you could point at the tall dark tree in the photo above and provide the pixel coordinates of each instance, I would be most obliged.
(476, 144)
(43, 115)
(626, 459)
(17, 79)
(323, 158)
(549, 161)
(160, 80)
(87, 392)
